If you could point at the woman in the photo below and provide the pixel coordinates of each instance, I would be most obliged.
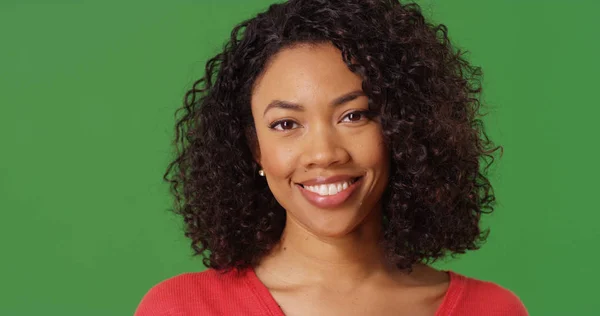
(330, 153)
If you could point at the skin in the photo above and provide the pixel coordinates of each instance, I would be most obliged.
(328, 261)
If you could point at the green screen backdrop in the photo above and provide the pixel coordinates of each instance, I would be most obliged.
(88, 90)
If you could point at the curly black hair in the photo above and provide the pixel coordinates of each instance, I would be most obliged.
(427, 96)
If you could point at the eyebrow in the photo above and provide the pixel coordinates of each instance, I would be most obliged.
(299, 107)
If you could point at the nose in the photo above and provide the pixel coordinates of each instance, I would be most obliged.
(323, 148)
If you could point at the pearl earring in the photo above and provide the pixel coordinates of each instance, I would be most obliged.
(261, 173)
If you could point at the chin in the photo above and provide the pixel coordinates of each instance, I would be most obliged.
(333, 225)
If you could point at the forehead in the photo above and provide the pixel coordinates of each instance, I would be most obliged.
(306, 74)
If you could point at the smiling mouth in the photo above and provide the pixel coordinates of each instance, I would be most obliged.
(330, 188)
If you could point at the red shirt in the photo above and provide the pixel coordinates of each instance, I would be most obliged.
(212, 293)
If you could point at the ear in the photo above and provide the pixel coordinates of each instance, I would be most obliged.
(252, 141)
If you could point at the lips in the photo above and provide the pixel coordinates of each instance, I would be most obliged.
(330, 188)
(329, 192)
(328, 180)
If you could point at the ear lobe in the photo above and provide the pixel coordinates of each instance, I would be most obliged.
(256, 156)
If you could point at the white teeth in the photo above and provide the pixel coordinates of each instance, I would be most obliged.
(329, 189)
(323, 190)
(332, 189)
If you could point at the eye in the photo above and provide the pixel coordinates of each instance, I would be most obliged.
(355, 116)
(283, 125)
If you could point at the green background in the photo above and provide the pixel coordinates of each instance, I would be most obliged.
(87, 96)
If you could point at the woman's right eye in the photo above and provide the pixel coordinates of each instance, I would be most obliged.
(283, 125)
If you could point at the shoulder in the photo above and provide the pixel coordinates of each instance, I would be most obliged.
(470, 296)
(188, 291)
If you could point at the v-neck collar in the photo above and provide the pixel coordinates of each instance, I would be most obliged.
(451, 298)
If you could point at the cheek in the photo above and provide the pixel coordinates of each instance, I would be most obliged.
(278, 159)
(369, 150)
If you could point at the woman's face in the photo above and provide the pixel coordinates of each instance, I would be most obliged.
(322, 153)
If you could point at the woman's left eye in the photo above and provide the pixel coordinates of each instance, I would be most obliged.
(354, 116)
